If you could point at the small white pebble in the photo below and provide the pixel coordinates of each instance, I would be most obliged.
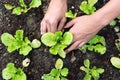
(26, 62)
(72, 7)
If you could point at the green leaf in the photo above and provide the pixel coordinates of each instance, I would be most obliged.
(19, 35)
(8, 6)
(9, 71)
(35, 43)
(35, 3)
(24, 50)
(69, 14)
(67, 38)
(100, 70)
(54, 50)
(61, 53)
(22, 3)
(17, 11)
(87, 63)
(7, 39)
(92, 2)
(82, 68)
(113, 23)
(59, 64)
(49, 39)
(20, 75)
(87, 77)
(54, 72)
(48, 77)
(95, 74)
(58, 35)
(64, 72)
(115, 62)
(62, 78)
(100, 49)
(14, 46)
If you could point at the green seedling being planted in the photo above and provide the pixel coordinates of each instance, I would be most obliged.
(88, 6)
(57, 41)
(57, 73)
(91, 73)
(70, 14)
(13, 73)
(115, 62)
(22, 8)
(97, 44)
(19, 42)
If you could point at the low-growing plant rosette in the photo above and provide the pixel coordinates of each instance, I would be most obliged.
(57, 41)
(57, 73)
(19, 42)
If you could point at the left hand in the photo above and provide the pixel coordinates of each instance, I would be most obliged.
(83, 29)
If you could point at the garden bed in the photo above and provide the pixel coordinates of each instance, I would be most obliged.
(41, 61)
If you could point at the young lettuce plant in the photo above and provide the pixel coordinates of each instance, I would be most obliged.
(22, 8)
(19, 42)
(88, 6)
(117, 43)
(91, 73)
(115, 62)
(57, 41)
(13, 73)
(70, 14)
(57, 73)
(97, 44)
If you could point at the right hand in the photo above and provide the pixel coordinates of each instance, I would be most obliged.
(54, 18)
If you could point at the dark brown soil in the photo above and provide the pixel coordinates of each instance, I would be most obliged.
(41, 60)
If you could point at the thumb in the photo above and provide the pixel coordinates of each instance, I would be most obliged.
(70, 24)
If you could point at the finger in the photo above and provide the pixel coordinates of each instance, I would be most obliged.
(61, 24)
(43, 27)
(75, 45)
(69, 24)
(48, 27)
(53, 26)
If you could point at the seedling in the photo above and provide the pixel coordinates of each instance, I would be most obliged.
(115, 62)
(96, 44)
(91, 73)
(19, 42)
(70, 14)
(13, 73)
(57, 73)
(22, 8)
(57, 41)
(88, 6)
(117, 43)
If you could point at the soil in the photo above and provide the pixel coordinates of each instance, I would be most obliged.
(41, 60)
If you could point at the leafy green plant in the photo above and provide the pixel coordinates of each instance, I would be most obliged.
(97, 44)
(115, 62)
(70, 14)
(114, 23)
(117, 43)
(88, 6)
(94, 72)
(22, 8)
(57, 41)
(57, 73)
(19, 42)
(13, 73)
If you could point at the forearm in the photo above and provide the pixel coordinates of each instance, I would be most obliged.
(108, 12)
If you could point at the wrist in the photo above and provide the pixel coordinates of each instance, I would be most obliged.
(108, 12)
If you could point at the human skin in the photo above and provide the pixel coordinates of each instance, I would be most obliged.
(84, 27)
(54, 18)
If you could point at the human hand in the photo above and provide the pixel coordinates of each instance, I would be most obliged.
(83, 29)
(54, 18)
